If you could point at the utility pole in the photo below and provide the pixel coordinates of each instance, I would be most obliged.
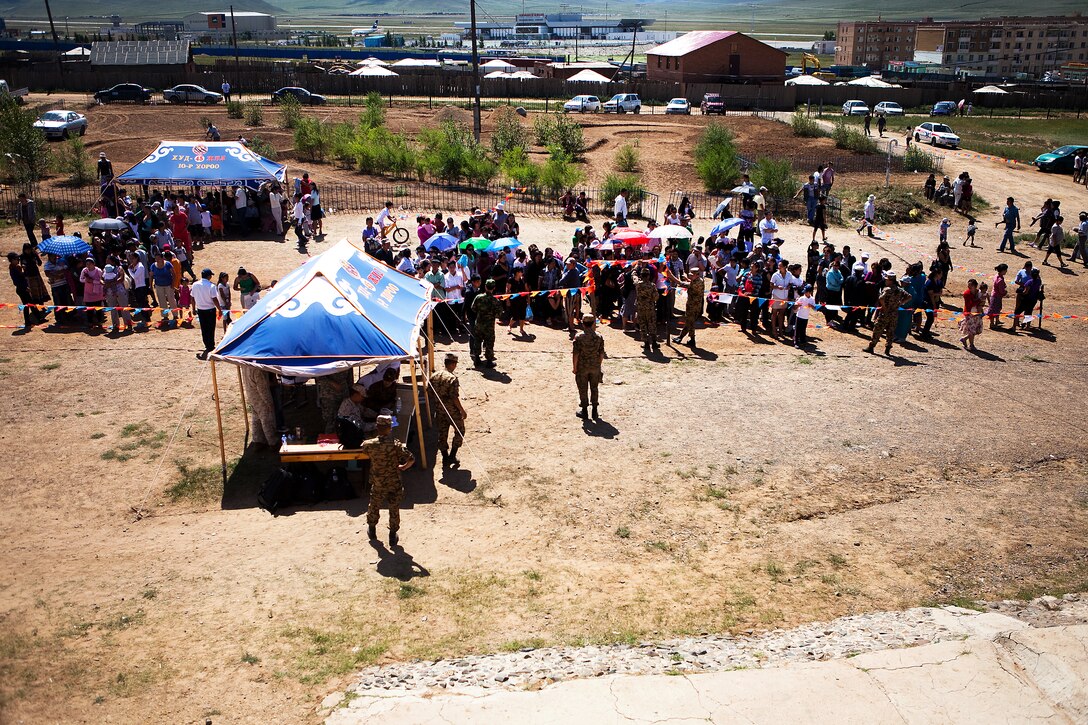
(475, 74)
(234, 36)
(56, 40)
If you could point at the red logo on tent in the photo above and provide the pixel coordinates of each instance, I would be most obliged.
(375, 276)
(350, 269)
(200, 149)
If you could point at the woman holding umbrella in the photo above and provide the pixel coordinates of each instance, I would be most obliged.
(518, 305)
(36, 290)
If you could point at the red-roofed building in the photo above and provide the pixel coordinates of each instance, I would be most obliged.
(715, 56)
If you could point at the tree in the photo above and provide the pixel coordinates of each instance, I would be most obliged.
(24, 153)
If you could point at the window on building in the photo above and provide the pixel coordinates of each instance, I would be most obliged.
(659, 61)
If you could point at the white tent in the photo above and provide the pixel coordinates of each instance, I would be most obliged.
(588, 76)
(872, 82)
(499, 74)
(417, 63)
(373, 71)
(498, 65)
(372, 61)
(807, 81)
(77, 52)
(992, 89)
(523, 75)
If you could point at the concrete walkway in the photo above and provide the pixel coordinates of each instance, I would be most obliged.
(1002, 670)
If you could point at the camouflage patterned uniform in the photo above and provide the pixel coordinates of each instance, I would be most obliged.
(891, 299)
(646, 311)
(589, 346)
(386, 453)
(487, 310)
(694, 308)
(447, 388)
(331, 391)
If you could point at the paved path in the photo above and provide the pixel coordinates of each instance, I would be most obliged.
(987, 667)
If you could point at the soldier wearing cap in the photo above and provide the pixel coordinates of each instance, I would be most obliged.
(449, 412)
(588, 356)
(486, 309)
(892, 297)
(693, 310)
(646, 295)
(388, 458)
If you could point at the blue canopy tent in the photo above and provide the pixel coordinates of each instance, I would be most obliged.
(201, 163)
(341, 309)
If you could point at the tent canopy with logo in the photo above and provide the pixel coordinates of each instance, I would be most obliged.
(204, 163)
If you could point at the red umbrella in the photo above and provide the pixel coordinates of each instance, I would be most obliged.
(629, 235)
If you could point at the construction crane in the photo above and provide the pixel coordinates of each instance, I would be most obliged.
(809, 59)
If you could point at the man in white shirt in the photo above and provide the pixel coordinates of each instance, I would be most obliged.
(619, 209)
(768, 229)
(780, 291)
(207, 305)
(275, 200)
(240, 203)
(696, 262)
(385, 218)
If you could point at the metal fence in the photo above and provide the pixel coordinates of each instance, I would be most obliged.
(348, 197)
(704, 204)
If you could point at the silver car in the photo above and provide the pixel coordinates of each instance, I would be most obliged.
(186, 93)
(61, 124)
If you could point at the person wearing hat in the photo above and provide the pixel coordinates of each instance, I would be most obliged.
(803, 307)
(388, 459)
(892, 297)
(572, 301)
(449, 413)
(646, 295)
(693, 310)
(206, 300)
(486, 309)
(349, 418)
(1079, 251)
(588, 355)
(868, 216)
(105, 169)
(113, 283)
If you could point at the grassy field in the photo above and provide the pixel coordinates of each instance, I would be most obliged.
(1021, 139)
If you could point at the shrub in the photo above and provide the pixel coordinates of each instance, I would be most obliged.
(235, 109)
(451, 154)
(519, 168)
(74, 161)
(562, 131)
(543, 129)
(627, 158)
(915, 159)
(373, 115)
(716, 162)
(613, 184)
(805, 127)
(254, 114)
(559, 172)
(312, 139)
(508, 134)
(290, 112)
(24, 153)
(261, 146)
(852, 139)
(777, 176)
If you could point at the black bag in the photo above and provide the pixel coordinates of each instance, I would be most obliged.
(277, 491)
(338, 487)
(350, 435)
(309, 484)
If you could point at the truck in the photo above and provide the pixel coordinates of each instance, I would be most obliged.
(19, 94)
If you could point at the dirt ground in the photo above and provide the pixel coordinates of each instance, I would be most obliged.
(741, 486)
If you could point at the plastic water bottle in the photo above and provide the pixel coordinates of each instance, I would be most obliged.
(283, 440)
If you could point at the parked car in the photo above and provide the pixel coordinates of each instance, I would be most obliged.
(191, 94)
(712, 103)
(582, 104)
(1059, 161)
(623, 103)
(302, 95)
(131, 92)
(943, 108)
(888, 108)
(678, 106)
(19, 94)
(61, 124)
(854, 108)
(935, 134)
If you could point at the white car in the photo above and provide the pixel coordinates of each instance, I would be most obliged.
(582, 104)
(61, 124)
(888, 108)
(623, 103)
(854, 108)
(678, 105)
(935, 134)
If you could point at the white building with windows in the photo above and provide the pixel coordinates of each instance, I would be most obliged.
(557, 26)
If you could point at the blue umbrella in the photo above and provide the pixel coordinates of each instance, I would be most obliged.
(511, 242)
(726, 224)
(442, 242)
(64, 246)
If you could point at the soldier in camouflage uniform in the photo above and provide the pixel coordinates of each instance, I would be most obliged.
(646, 310)
(694, 308)
(388, 457)
(331, 391)
(892, 297)
(449, 412)
(588, 356)
(486, 309)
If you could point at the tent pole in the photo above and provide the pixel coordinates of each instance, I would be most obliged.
(245, 413)
(430, 344)
(219, 423)
(426, 397)
(419, 418)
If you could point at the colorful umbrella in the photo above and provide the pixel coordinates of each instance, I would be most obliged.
(478, 244)
(442, 242)
(629, 235)
(64, 246)
(726, 224)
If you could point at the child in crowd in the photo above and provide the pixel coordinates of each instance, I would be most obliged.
(971, 229)
(945, 224)
(58, 224)
(206, 221)
(803, 307)
(186, 301)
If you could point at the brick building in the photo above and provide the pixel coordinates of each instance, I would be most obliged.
(875, 43)
(1004, 46)
(715, 56)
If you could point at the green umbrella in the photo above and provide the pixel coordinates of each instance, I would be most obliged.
(477, 244)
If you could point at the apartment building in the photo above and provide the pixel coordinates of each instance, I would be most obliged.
(1004, 46)
(875, 43)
